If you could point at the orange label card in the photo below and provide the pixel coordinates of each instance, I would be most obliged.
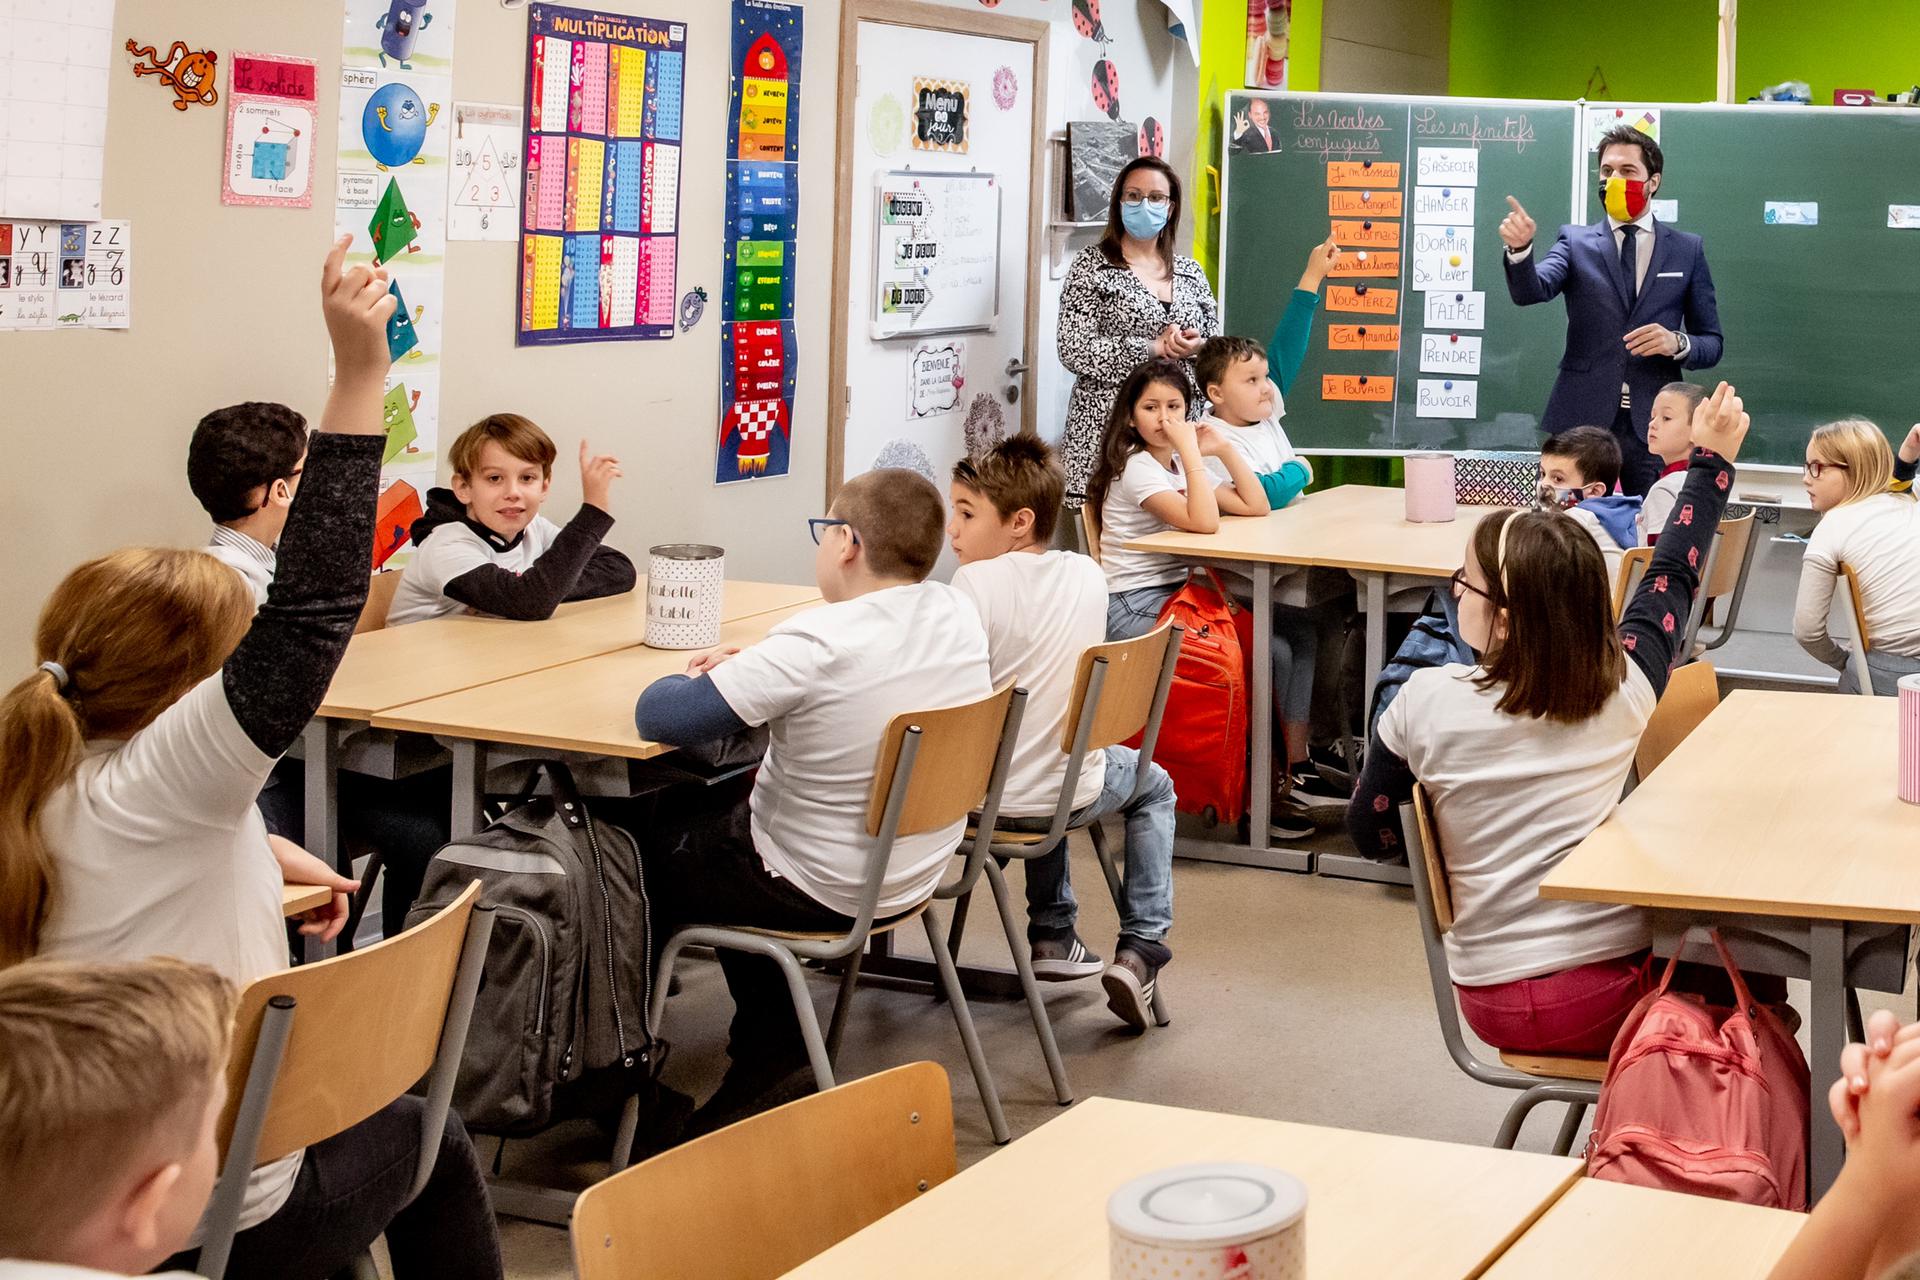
(1367, 262)
(1370, 299)
(1363, 337)
(1356, 386)
(1363, 173)
(1364, 204)
(1367, 233)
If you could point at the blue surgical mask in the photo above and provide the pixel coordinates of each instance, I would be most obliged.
(1144, 221)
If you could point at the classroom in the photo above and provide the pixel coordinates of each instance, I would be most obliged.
(696, 720)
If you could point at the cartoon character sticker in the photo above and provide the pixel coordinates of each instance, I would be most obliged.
(1106, 88)
(395, 125)
(188, 73)
(400, 27)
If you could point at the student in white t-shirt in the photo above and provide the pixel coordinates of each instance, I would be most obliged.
(1042, 609)
(1874, 532)
(825, 683)
(1140, 487)
(1524, 754)
(128, 828)
(1669, 439)
(111, 1089)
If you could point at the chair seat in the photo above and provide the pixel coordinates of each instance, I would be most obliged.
(1551, 1067)
(1001, 836)
(879, 926)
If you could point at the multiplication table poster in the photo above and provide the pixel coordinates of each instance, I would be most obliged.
(599, 232)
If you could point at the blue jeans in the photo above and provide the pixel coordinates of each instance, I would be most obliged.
(1291, 648)
(1146, 894)
(1131, 614)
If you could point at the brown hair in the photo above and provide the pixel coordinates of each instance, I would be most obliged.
(1116, 232)
(899, 517)
(1863, 448)
(1562, 658)
(1122, 440)
(134, 631)
(1018, 472)
(1625, 135)
(1593, 450)
(1218, 355)
(519, 436)
(108, 1067)
(1692, 392)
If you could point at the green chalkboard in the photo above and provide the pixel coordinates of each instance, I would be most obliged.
(1819, 319)
(1277, 206)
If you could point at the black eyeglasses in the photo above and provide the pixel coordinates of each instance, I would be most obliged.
(1460, 583)
(816, 523)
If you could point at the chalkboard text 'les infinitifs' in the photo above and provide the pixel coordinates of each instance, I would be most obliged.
(1513, 128)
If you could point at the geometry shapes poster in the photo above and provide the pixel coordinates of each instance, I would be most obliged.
(759, 356)
(600, 214)
(270, 131)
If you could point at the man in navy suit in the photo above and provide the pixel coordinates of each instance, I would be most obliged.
(1640, 305)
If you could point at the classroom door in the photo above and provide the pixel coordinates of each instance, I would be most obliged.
(936, 267)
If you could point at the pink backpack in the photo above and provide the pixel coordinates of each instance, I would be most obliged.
(1705, 1100)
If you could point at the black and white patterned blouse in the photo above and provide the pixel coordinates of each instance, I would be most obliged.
(1108, 321)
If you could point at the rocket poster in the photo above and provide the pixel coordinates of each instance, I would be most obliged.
(759, 357)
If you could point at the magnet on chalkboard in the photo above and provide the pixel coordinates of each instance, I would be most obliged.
(1361, 256)
(1366, 164)
(1446, 386)
(1446, 191)
(1363, 331)
(1360, 290)
(1363, 379)
(1453, 338)
(1459, 297)
(1366, 197)
(1449, 233)
(1367, 225)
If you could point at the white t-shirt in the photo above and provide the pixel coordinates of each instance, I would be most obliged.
(1511, 797)
(15, 1269)
(1263, 444)
(1880, 538)
(158, 850)
(451, 550)
(1123, 519)
(1041, 612)
(1659, 504)
(826, 683)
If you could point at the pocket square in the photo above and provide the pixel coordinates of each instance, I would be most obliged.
(1671, 275)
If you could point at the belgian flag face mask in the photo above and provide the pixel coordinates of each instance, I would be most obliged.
(1624, 199)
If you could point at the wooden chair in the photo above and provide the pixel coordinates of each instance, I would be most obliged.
(935, 768)
(380, 590)
(1539, 1077)
(760, 1197)
(1090, 530)
(1692, 693)
(1857, 653)
(1727, 578)
(318, 1049)
(1633, 567)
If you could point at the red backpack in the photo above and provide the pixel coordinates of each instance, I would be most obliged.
(1203, 734)
(1705, 1100)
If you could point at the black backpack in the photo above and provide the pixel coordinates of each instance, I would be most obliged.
(560, 1026)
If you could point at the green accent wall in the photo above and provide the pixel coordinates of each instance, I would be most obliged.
(1517, 49)
(1838, 44)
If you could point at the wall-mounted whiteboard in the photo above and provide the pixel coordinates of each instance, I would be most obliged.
(936, 256)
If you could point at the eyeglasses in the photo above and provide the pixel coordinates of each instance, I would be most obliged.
(1815, 468)
(816, 523)
(1459, 583)
(1154, 199)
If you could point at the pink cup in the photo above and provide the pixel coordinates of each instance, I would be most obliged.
(1910, 739)
(1430, 494)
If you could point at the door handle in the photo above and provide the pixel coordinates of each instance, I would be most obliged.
(1015, 367)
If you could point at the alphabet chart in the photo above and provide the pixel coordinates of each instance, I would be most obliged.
(600, 187)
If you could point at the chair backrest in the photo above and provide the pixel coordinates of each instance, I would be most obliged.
(380, 589)
(1693, 691)
(952, 768)
(1859, 607)
(1633, 567)
(1440, 889)
(760, 1197)
(1090, 527)
(1126, 692)
(368, 1027)
(1736, 535)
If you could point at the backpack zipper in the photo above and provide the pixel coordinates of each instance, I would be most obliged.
(1632, 1137)
(540, 1016)
(606, 928)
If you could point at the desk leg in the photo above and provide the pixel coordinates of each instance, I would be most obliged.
(469, 782)
(1827, 965)
(1374, 588)
(1260, 773)
(322, 808)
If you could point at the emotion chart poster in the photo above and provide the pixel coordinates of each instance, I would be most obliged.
(396, 112)
(600, 211)
(758, 354)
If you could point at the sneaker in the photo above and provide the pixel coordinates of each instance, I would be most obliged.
(1289, 825)
(1064, 959)
(1309, 789)
(748, 1090)
(1129, 985)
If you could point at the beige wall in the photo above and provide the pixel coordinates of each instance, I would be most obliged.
(1384, 46)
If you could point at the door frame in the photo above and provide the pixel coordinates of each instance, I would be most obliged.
(910, 13)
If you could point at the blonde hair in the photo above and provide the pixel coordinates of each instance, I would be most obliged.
(520, 437)
(1862, 447)
(133, 631)
(108, 1067)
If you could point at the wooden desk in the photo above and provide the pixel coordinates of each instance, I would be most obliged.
(1361, 529)
(1777, 814)
(298, 898)
(1604, 1230)
(584, 706)
(1376, 1205)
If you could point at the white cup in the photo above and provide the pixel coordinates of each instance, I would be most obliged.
(686, 585)
(1209, 1222)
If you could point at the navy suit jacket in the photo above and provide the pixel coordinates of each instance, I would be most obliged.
(1585, 266)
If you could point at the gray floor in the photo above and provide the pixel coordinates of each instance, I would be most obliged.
(1294, 997)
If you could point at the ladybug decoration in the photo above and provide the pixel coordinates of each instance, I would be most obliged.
(1153, 138)
(1086, 20)
(1106, 88)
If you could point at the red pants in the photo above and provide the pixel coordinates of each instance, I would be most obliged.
(1575, 1012)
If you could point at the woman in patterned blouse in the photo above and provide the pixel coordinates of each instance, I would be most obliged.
(1126, 299)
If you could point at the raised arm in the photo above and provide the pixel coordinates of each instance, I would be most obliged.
(1529, 281)
(1288, 349)
(1655, 619)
